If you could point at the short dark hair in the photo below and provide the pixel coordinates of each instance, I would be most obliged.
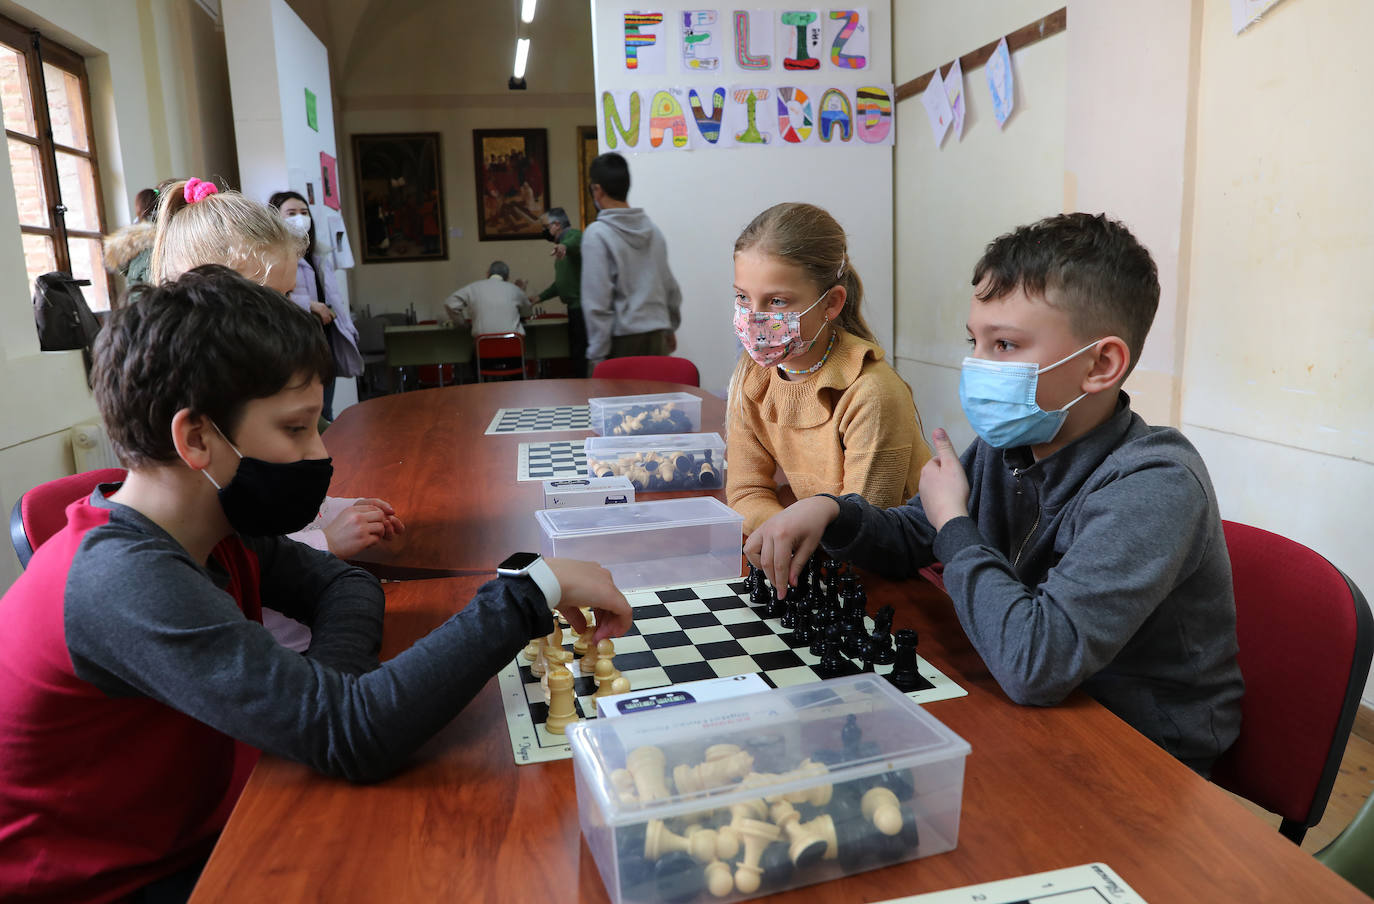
(499, 268)
(612, 173)
(145, 205)
(210, 341)
(1091, 267)
(558, 215)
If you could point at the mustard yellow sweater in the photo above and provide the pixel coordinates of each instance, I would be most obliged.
(851, 427)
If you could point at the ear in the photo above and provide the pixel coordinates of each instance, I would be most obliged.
(1109, 366)
(190, 437)
(835, 302)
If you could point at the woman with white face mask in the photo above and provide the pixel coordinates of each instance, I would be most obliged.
(318, 292)
(812, 396)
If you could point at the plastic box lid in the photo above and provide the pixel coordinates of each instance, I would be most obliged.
(606, 446)
(635, 517)
(650, 399)
(910, 737)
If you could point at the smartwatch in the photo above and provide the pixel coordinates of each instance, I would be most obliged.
(531, 565)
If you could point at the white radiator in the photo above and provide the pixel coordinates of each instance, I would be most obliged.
(91, 448)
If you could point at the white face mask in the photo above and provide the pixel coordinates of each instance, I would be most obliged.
(298, 223)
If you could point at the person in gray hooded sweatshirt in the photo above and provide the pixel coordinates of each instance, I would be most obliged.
(630, 300)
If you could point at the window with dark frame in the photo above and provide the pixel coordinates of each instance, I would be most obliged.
(47, 110)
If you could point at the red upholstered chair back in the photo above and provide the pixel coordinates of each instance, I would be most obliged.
(492, 346)
(1305, 635)
(42, 511)
(649, 367)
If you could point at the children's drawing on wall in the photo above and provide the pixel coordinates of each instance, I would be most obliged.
(753, 44)
(645, 48)
(954, 91)
(1001, 84)
(708, 112)
(667, 120)
(936, 103)
(700, 45)
(799, 39)
(620, 117)
(329, 180)
(837, 116)
(873, 106)
(512, 167)
(1245, 13)
(846, 34)
(796, 115)
(745, 116)
(400, 197)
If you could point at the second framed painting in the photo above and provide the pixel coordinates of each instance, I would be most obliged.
(512, 167)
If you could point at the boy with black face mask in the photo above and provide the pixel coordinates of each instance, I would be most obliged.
(137, 684)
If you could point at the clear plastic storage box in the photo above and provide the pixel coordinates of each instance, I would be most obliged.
(757, 794)
(649, 544)
(674, 461)
(634, 415)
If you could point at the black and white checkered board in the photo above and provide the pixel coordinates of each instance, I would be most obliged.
(682, 633)
(541, 420)
(551, 461)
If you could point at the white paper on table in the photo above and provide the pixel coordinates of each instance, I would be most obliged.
(1245, 13)
(338, 240)
(1001, 82)
(937, 107)
(1091, 883)
(954, 91)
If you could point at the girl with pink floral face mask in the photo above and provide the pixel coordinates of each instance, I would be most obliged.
(812, 401)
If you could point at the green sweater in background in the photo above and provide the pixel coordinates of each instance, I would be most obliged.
(567, 271)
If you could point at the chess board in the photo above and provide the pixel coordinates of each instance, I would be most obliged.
(541, 420)
(682, 633)
(551, 461)
(1091, 883)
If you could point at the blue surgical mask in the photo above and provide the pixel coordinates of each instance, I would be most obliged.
(999, 401)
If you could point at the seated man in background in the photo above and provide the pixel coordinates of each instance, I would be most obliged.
(491, 305)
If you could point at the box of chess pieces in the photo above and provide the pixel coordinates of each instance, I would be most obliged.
(673, 461)
(649, 544)
(578, 492)
(636, 415)
(730, 800)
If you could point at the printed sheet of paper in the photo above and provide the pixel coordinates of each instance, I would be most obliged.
(1001, 84)
(1092, 883)
(954, 90)
(937, 107)
(1245, 13)
(846, 38)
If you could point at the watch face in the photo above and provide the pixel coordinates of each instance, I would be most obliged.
(518, 561)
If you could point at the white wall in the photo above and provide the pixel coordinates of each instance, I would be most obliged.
(702, 199)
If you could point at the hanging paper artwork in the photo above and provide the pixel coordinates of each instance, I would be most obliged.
(744, 118)
(873, 114)
(708, 121)
(1001, 83)
(937, 107)
(620, 116)
(799, 39)
(796, 115)
(954, 91)
(645, 50)
(329, 180)
(700, 45)
(1245, 13)
(312, 117)
(753, 44)
(846, 34)
(667, 121)
(837, 115)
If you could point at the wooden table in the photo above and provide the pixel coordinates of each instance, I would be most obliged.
(454, 487)
(1044, 789)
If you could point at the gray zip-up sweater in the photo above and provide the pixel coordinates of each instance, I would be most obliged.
(627, 286)
(1102, 566)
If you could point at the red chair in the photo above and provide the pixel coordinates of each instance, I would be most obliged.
(1306, 636)
(649, 367)
(42, 511)
(504, 351)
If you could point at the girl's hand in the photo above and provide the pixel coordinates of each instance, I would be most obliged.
(783, 543)
(322, 311)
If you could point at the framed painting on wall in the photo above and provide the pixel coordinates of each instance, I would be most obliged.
(512, 170)
(400, 197)
(586, 153)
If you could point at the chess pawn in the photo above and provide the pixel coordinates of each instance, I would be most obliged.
(621, 685)
(590, 657)
(531, 651)
(719, 881)
(562, 701)
(646, 766)
(807, 846)
(756, 835)
(881, 807)
(703, 843)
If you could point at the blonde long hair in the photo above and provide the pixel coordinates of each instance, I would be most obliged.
(224, 228)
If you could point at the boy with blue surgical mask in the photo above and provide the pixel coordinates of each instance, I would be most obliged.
(1081, 546)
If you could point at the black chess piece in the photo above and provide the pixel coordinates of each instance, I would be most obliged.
(833, 662)
(855, 841)
(868, 650)
(772, 606)
(801, 631)
(851, 733)
(636, 875)
(789, 612)
(769, 752)
(776, 866)
(905, 676)
(679, 878)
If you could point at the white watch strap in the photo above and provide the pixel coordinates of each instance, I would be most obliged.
(540, 572)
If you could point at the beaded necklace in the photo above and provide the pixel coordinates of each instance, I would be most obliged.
(814, 367)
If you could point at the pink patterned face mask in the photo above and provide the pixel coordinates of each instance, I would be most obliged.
(771, 337)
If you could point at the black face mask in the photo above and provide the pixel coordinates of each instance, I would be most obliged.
(548, 235)
(269, 499)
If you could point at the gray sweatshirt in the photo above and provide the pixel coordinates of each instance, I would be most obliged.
(1102, 566)
(627, 287)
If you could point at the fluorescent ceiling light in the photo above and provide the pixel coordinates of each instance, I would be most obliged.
(527, 11)
(522, 55)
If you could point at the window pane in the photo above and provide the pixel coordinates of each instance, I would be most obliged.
(76, 179)
(65, 108)
(30, 197)
(14, 92)
(38, 256)
(86, 264)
